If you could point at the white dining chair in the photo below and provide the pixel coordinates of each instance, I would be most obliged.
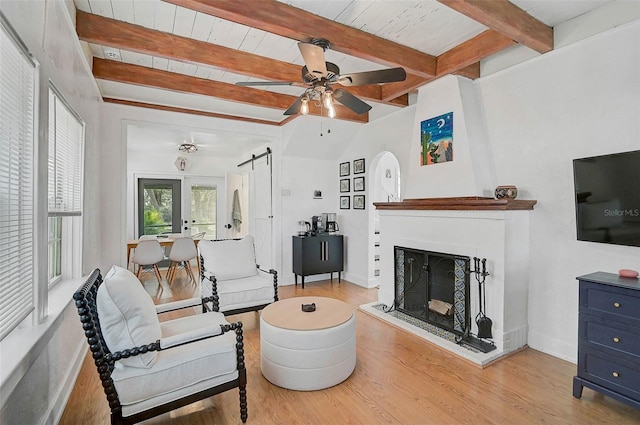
(182, 252)
(148, 253)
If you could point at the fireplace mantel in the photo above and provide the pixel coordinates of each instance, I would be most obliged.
(458, 203)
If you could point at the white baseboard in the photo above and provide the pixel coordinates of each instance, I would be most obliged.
(515, 339)
(554, 347)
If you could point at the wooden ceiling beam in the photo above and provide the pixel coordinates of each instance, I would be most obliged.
(121, 35)
(472, 71)
(287, 21)
(472, 51)
(507, 19)
(464, 59)
(149, 77)
(135, 38)
(188, 111)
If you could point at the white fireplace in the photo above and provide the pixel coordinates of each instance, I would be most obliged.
(474, 227)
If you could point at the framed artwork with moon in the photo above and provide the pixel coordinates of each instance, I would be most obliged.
(436, 139)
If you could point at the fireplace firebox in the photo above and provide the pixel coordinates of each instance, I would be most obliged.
(433, 287)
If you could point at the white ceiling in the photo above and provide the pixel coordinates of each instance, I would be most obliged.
(427, 26)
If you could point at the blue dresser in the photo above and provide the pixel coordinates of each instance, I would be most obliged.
(609, 337)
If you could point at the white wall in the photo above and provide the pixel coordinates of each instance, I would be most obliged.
(578, 101)
(39, 361)
(300, 177)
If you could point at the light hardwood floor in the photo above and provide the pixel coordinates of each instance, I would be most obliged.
(399, 379)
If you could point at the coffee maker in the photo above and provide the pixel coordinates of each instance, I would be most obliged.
(316, 224)
(330, 221)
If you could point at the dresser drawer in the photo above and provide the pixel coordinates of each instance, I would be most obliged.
(611, 372)
(614, 302)
(608, 334)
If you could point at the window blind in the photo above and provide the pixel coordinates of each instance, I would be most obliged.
(17, 103)
(66, 148)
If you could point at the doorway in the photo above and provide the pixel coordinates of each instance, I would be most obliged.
(202, 209)
(159, 203)
(256, 190)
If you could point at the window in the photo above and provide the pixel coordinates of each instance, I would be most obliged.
(17, 140)
(66, 148)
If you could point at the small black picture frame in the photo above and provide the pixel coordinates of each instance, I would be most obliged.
(345, 169)
(317, 194)
(345, 202)
(358, 184)
(358, 166)
(345, 185)
(358, 202)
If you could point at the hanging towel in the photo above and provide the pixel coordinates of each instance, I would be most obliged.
(236, 212)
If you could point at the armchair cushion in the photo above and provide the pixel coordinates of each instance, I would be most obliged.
(229, 258)
(242, 293)
(127, 316)
(181, 369)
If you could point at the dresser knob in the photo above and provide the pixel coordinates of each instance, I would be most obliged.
(616, 339)
(616, 305)
(616, 374)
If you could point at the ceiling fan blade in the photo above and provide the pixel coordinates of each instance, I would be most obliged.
(373, 77)
(295, 106)
(314, 59)
(265, 83)
(350, 101)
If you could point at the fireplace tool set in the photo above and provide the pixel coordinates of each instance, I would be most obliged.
(483, 322)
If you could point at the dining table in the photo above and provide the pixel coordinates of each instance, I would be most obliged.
(164, 242)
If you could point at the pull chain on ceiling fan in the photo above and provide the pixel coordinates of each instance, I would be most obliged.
(319, 76)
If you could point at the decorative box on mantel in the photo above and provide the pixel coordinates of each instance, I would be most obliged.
(495, 229)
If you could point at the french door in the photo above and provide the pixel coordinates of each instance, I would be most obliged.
(159, 206)
(203, 206)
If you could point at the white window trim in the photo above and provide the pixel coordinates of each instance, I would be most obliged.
(71, 265)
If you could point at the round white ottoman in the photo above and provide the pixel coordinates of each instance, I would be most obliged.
(307, 351)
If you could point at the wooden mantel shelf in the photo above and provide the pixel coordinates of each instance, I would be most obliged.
(458, 203)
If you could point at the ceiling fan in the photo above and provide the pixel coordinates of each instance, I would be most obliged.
(319, 76)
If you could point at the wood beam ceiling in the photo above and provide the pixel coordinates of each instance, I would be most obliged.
(121, 35)
(507, 19)
(297, 24)
(288, 21)
(508, 24)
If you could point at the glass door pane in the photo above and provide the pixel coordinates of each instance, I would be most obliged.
(203, 210)
(158, 206)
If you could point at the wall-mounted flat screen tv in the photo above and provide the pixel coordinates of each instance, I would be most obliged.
(607, 191)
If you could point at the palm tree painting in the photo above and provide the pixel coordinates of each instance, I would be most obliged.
(436, 139)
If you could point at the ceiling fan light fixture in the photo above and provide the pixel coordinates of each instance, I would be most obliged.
(188, 147)
(304, 108)
(327, 99)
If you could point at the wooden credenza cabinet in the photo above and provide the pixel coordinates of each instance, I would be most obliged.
(323, 253)
(609, 337)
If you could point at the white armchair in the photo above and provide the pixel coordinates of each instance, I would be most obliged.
(231, 277)
(148, 367)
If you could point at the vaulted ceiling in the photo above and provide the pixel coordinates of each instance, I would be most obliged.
(187, 55)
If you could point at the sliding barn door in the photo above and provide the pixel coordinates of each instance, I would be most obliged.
(261, 195)
(256, 184)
